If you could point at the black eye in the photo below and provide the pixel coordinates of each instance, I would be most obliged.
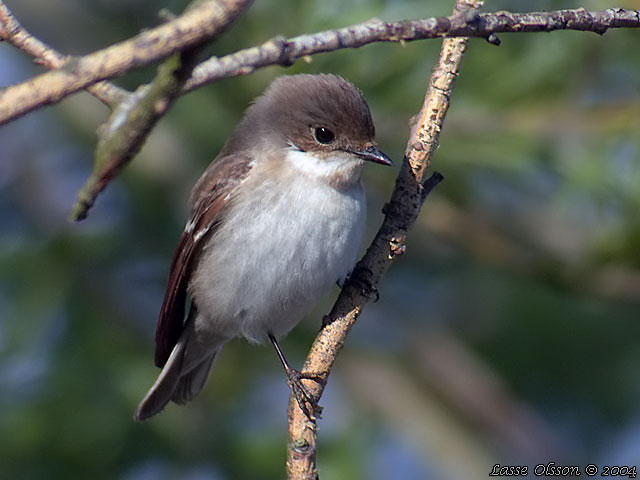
(324, 135)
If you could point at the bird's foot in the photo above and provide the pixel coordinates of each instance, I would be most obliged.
(307, 402)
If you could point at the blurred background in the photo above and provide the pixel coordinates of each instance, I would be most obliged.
(508, 333)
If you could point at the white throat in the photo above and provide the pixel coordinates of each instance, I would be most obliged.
(340, 170)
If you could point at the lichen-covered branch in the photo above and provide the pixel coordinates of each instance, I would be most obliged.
(126, 130)
(121, 137)
(195, 26)
(400, 213)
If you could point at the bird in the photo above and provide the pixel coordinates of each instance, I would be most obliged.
(277, 219)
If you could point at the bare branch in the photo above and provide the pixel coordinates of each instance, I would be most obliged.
(155, 44)
(282, 51)
(400, 213)
(195, 26)
(15, 34)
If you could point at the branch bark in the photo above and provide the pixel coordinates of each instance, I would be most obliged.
(282, 51)
(124, 133)
(400, 214)
(15, 34)
(193, 27)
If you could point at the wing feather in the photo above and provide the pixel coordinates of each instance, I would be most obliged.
(210, 196)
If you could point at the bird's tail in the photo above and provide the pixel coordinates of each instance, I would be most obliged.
(174, 383)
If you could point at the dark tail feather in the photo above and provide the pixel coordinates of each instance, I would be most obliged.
(161, 392)
(193, 382)
(173, 384)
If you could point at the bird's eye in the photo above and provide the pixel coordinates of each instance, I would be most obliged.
(324, 135)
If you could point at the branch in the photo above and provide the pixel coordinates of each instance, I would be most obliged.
(194, 27)
(121, 137)
(283, 51)
(12, 32)
(124, 133)
(186, 30)
(400, 213)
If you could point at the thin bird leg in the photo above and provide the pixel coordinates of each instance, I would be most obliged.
(303, 397)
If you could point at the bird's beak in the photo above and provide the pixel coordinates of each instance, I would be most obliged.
(374, 154)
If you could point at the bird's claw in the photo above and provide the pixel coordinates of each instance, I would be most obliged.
(307, 402)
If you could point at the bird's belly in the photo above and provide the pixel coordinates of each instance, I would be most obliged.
(276, 257)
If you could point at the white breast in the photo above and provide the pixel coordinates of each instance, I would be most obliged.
(278, 252)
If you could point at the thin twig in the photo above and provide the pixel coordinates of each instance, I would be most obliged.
(400, 213)
(285, 51)
(160, 42)
(15, 34)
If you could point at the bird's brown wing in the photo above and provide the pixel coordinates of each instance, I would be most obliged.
(209, 197)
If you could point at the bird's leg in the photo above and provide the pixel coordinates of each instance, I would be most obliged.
(303, 397)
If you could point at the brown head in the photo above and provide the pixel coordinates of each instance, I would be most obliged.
(321, 114)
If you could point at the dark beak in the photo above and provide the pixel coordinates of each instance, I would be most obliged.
(374, 154)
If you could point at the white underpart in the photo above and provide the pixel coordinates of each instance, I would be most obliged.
(315, 167)
(286, 241)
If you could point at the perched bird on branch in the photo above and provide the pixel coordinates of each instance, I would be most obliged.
(276, 220)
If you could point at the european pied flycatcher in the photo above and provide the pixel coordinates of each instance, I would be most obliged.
(276, 220)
